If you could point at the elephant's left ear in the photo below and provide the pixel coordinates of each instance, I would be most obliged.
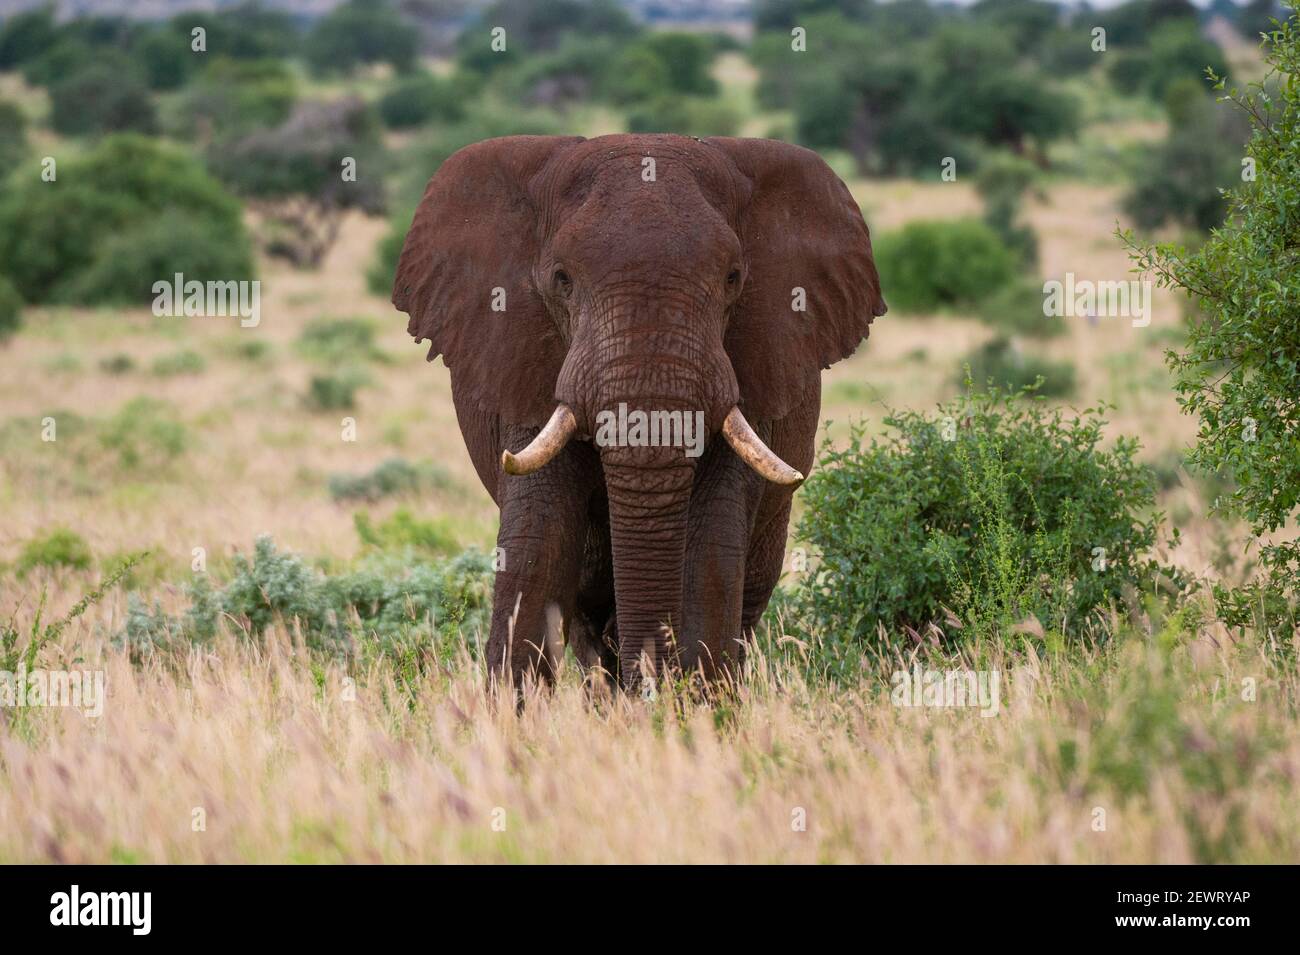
(812, 289)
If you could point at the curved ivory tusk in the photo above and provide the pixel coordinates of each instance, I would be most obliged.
(548, 443)
(754, 452)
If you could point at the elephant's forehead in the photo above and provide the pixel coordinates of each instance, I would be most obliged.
(646, 170)
(621, 225)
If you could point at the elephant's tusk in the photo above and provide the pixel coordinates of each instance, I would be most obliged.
(548, 443)
(754, 452)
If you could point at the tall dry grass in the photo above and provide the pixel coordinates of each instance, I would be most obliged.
(1140, 751)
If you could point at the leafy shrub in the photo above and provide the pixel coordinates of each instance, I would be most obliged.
(233, 97)
(292, 173)
(11, 309)
(25, 36)
(393, 598)
(361, 32)
(165, 58)
(146, 628)
(386, 599)
(50, 236)
(1174, 51)
(1181, 179)
(992, 508)
(1240, 370)
(540, 26)
(1017, 309)
(1002, 181)
(274, 585)
(931, 265)
(13, 136)
(247, 349)
(666, 63)
(383, 268)
(333, 340)
(144, 434)
(685, 115)
(56, 549)
(130, 262)
(335, 391)
(117, 364)
(64, 363)
(579, 70)
(392, 477)
(141, 567)
(185, 362)
(1011, 369)
(403, 531)
(102, 97)
(423, 98)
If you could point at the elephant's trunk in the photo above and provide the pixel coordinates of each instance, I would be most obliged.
(649, 500)
(657, 365)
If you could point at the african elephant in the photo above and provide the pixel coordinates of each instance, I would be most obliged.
(690, 280)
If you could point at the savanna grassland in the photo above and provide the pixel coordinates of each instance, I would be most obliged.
(1162, 737)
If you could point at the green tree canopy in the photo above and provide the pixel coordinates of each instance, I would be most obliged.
(1240, 370)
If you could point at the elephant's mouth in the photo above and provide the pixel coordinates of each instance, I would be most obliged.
(562, 426)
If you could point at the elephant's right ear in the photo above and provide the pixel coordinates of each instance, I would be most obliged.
(465, 277)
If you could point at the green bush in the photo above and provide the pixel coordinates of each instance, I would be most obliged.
(144, 434)
(1182, 179)
(361, 32)
(13, 136)
(420, 99)
(253, 350)
(685, 59)
(684, 115)
(11, 309)
(989, 511)
(1017, 309)
(1011, 369)
(335, 391)
(102, 97)
(51, 235)
(403, 531)
(129, 263)
(392, 477)
(55, 550)
(1002, 180)
(185, 362)
(579, 70)
(943, 264)
(26, 36)
(383, 267)
(1239, 372)
(334, 340)
(276, 585)
(165, 58)
(232, 97)
(386, 600)
(1174, 51)
(117, 364)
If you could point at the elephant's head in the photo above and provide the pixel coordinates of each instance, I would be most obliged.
(560, 278)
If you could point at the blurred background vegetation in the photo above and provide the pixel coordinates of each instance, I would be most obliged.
(992, 145)
(257, 105)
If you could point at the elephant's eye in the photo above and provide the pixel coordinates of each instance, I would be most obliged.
(562, 282)
(733, 278)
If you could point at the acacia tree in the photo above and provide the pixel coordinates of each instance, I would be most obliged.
(1240, 371)
(303, 175)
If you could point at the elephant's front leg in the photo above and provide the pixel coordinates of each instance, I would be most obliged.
(544, 518)
(723, 503)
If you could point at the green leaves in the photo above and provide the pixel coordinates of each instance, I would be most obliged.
(1240, 371)
(992, 507)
